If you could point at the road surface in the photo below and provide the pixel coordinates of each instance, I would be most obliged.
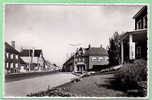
(23, 87)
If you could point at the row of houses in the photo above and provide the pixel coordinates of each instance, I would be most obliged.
(25, 60)
(85, 59)
(133, 45)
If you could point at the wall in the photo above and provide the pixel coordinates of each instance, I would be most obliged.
(97, 62)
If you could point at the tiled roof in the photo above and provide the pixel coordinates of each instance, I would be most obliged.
(22, 61)
(94, 51)
(28, 59)
(9, 48)
(28, 52)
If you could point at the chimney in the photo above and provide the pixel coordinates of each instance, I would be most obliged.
(13, 44)
(89, 46)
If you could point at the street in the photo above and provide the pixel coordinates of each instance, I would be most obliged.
(79, 50)
(23, 87)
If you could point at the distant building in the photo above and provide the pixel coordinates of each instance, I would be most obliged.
(68, 66)
(134, 43)
(33, 58)
(24, 60)
(80, 60)
(23, 65)
(85, 59)
(98, 58)
(12, 58)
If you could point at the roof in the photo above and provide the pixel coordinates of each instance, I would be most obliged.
(22, 61)
(28, 52)
(140, 31)
(69, 60)
(9, 48)
(94, 51)
(28, 59)
(141, 11)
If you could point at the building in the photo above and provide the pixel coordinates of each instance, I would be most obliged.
(134, 43)
(86, 59)
(34, 59)
(23, 66)
(98, 58)
(80, 60)
(12, 58)
(24, 60)
(68, 66)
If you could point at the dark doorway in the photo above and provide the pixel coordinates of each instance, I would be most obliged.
(98, 67)
(80, 68)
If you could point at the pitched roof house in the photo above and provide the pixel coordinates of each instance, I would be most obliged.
(86, 59)
(12, 58)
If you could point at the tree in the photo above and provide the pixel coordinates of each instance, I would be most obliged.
(114, 49)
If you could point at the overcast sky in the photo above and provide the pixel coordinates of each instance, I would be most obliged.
(54, 27)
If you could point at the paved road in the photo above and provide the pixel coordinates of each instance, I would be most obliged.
(23, 87)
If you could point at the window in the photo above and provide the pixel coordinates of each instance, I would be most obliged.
(94, 59)
(80, 52)
(138, 52)
(16, 56)
(7, 55)
(145, 21)
(83, 59)
(106, 58)
(7, 66)
(11, 65)
(79, 59)
(16, 65)
(139, 24)
(100, 58)
(11, 56)
(76, 59)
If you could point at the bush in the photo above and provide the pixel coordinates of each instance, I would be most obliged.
(129, 75)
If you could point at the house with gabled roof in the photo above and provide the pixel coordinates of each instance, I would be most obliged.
(13, 61)
(22, 61)
(34, 59)
(86, 59)
(98, 58)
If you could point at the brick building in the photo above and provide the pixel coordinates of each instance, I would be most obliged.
(85, 59)
(12, 58)
(24, 60)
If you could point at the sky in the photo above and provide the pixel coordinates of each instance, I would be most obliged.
(59, 29)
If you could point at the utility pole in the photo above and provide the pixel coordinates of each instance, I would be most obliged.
(29, 58)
